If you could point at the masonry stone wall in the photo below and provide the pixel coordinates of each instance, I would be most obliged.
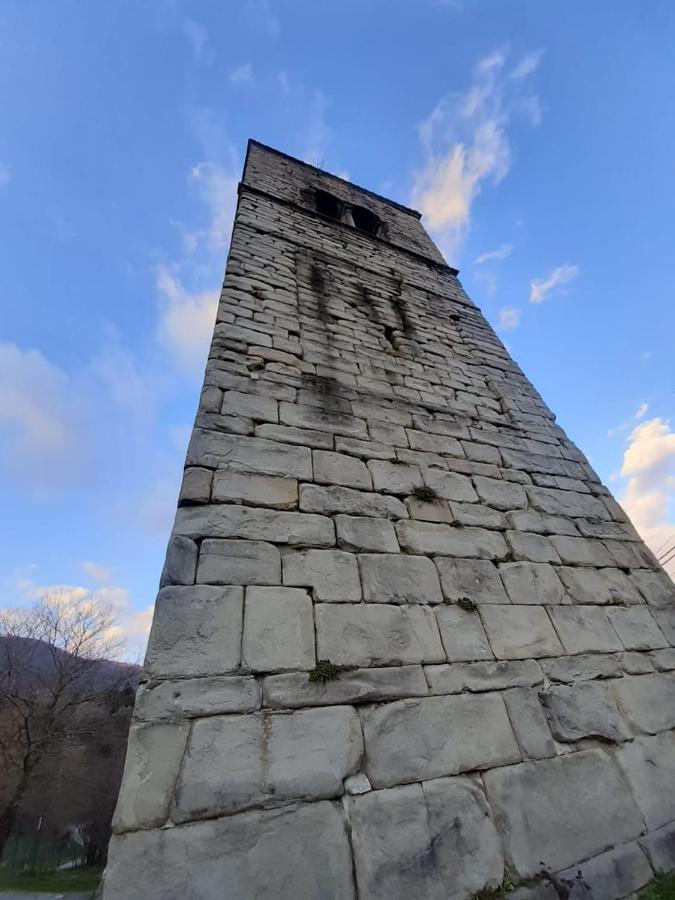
(375, 493)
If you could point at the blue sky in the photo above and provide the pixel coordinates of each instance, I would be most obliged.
(536, 137)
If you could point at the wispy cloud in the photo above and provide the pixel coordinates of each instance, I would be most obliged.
(242, 74)
(96, 571)
(186, 320)
(509, 318)
(198, 38)
(494, 255)
(284, 82)
(5, 176)
(527, 65)
(649, 466)
(640, 413)
(540, 288)
(466, 145)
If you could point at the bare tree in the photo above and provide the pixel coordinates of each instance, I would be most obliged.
(50, 666)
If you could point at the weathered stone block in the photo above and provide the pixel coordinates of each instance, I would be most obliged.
(230, 486)
(636, 628)
(566, 503)
(450, 485)
(474, 514)
(248, 454)
(528, 720)
(278, 629)
(532, 583)
(195, 631)
(397, 832)
(613, 874)
(444, 540)
(477, 677)
(462, 634)
(322, 420)
(473, 579)
(154, 754)
(193, 697)
(585, 629)
(399, 579)
(657, 589)
(499, 493)
(361, 686)
(254, 406)
(362, 533)
(647, 701)
(303, 436)
(235, 762)
(621, 589)
(554, 812)
(584, 710)
(585, 586)
(350, 502)
(666, 622)
(433, 511)
(413, 740)
(332, 574)
(196, 486)
(577, 551)
(660, 848)
(282, 854)
(520, 632)
(583, 667)
(252, 524)
(393, 478)
(181, 562)
(238, 562)
(532, 547)
(340, 469)
(377, 634)
(649, 766)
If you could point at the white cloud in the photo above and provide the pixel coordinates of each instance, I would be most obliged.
(527, 65)
(96, 571)
(242, 74)
(198, 37)
(509, 318)
(640, 413)
(5, 176)
(556, 278)
(217, 187)
(500, 253)
(284, 83)
(466, 144)
(649, 466)
(186, 320)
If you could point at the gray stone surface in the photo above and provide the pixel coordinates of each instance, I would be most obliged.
(195, 631)
(463, 634)
(492, 675)
(283, 854)
(377, 634)
(613, 874)
(231, 486)
(532, 547)
(528, 582)
(238, 562)
(450, 485)
(585, 629)
(293, 689)
(393, 478)
(585, 586)
(528, 721)
(154, 754)
(248, 454)
(196, 486)
(648, 701)
(584, 667)
(332, 574)
(657, 589)
(338, 468)
(520, 632)
(649, 766)
(316, 499)
(499, 493)
(622, 589)
(278, 629)
(397, 833)
(444, 540)
(362, 533)
(574, 551)
(413, 740)
(248, 523)
(636, 628)
(584, 710)
(660, 848)
(399, 579)
(554, 812)
(473, 579)
(192, 697)
(236, 762)
(181, 562)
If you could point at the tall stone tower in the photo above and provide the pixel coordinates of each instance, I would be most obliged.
(406, 644)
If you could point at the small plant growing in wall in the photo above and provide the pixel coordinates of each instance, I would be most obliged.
(467, 604)
(494, 893)
(327, 671)
(425, 494)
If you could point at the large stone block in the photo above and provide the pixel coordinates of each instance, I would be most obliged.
(585, 586)
(532, 583)
(499, 493)
(248, 454)
(350, 502)
(648, 701)
(363, 533)
(445, 540)
(577, 551)
(566, 503)
(657, 589)
(462, 634)
(393, 478)
(399, 579)
(294, 689)
(283, 854)
(636, 628)
(554, 812)
(585, 629)
(584, 710)
(473, 579)
(413, 740)
(532, 547)
(181, 562)
(236, 762)
(193, 697)
(435, 840)
(489, 675)
(195, 631)
(621, 589)
(251, 524)
(231, 486)
(450, 485)
(322, 420)
(154, 755)
(278, 629)
(254, 406)
(649, 766)
(338, 468)
(377, 634)
(583, 667)
(520, 632)
(616, 873)
(238, 562)
(332, 574)
(660, 848)
(529, 720)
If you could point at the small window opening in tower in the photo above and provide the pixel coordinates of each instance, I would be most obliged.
(365, 220)
(327, 204)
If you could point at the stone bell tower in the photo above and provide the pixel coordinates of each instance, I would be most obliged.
(406, 644)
